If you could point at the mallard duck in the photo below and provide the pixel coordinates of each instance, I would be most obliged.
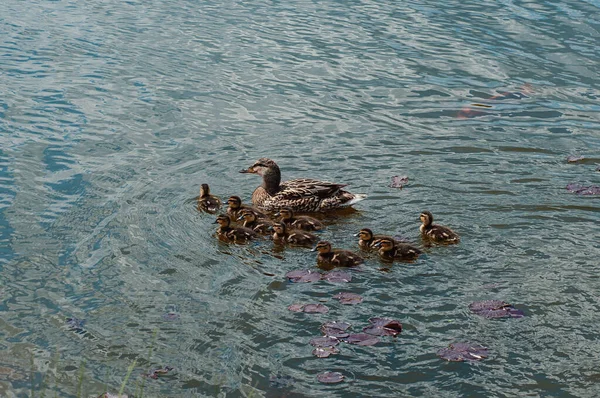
(436, 233)
(235, 208)
(207, 202)
(303, 194)
(262, 226)
(304, 223)
(281, 234)
(367, 239)
(234, 234)
(336, 257)
(389, 250)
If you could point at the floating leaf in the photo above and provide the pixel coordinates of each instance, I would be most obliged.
(348, 298)
(495, 309)
(330, 377)
(463, 352)
(303, 276)
(76, 324)
(582, 190)
(384, 327)
(324, 341)
(362, 339)
(296, 307)
(281, 381)
(155, 373)
(324, 352)
(399, 182)
(316, 308)
(335, 329)
(337, 276)
(574, 159)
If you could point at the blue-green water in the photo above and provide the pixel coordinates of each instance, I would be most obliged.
(113, 113)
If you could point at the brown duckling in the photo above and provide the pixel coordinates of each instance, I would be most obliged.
(235, 208)
(436, 233)
(233, 234)
(207, 202)
(336, 257)
(305, 223)
(281, 234)
(262, 226)
(389, 250)
(367, 239)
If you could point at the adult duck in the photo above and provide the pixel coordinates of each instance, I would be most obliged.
(301, 195)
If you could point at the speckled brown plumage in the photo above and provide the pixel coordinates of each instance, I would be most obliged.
(207, 202)
(259, 225)
(282, 235)
(233, 234)
(389, 250)
(301, 195)
(329, 257)
(436, 233)
(367, 239)
(235, 208)
(304, 223)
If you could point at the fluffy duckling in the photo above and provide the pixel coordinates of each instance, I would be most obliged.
(367, 239)
(234, 234)
(235, 208)
(262, 226)
(301, 194)
(304, 223)
(281, 234)
(390, 250)
(336, 257)
(436, 233)
(207, 202)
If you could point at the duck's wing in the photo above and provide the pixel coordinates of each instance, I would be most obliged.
(306, 187)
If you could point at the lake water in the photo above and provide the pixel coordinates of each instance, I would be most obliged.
(112, 113)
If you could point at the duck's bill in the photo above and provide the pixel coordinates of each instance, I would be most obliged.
(314, 249)
(357, 234)
(248, 170)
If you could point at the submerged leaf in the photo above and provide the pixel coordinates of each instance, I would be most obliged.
(316, 308)
(303, 276)
(296, 307)
(348, 298)
(463, 352)
(324, 341)
(337, 276)
(324, 352)
(281, 381)
(171, 316)
(573, 158)
(362, 339)
(335, 329)
(495, 309)
(384, 327)
(583, 190)
(399, 182)
(330, 377)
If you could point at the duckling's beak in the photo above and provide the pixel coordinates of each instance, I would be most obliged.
(358, 234)
(216, 222)
(240, 217)
(277, 214)
(378, 244)
(314, 249)
(248, 170)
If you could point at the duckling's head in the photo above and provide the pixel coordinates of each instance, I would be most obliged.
(279, 228)
(386, 244)
(204, 190)
(234, 202)
(426, 218)
(365, 234)
(223, 220)
(286, 213)
(322, 247)
(261, 167)
(248, 215)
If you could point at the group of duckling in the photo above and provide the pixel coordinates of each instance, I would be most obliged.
(273, 213)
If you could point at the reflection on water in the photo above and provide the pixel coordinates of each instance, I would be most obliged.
(113, 114)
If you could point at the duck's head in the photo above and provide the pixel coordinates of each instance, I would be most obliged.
(223, 220)
(247, 215)
(365, 234)
(322, 246)
(234, 202)
(279, 228)
(204, 190)
(286, 213)
(385, 244)
(261, 167)
(426, 218)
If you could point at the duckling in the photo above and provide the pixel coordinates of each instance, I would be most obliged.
(235, 208)
(207, 202)
(302, 194)
(234, 234)
(367, 239)
(336, 257)
(262, 226)
(281, 234)
(436, 233)
(390, 250)
(304, 223)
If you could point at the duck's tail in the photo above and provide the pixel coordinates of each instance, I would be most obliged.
(357, 198)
